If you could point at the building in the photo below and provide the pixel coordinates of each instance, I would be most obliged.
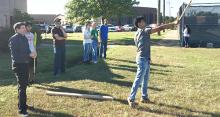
(7, 8)
(47, 18)
(150, 14)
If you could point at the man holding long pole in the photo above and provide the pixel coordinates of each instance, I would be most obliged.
(31, 39)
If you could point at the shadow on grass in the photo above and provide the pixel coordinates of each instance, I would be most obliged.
(69, 90)
(190, 112)
(69, 42)
(37, 112)
(166, 43)
(124, 41)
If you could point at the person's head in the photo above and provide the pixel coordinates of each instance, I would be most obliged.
(140, 22)
(93, 25)
(88, 24)
(105, 21)
(20, 28)
(187, 26)
(28, 26)
(57, 22)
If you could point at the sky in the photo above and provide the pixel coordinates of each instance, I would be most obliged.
(51, 7)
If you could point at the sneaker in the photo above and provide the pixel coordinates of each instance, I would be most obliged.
(131, 103)
(145, 100)
(25, 114)
(95, 62)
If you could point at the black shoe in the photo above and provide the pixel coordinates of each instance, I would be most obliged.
(145, 100)
(23, 114)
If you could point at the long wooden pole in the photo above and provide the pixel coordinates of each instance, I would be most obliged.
(53, 93)
(188, 5)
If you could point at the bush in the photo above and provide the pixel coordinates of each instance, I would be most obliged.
(5, 34)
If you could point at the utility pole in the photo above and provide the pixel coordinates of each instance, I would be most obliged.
(158, 15)
(164, 8)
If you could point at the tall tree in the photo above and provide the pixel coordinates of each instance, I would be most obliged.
(82, 10)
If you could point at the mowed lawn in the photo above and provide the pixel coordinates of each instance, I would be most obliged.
(183, 82)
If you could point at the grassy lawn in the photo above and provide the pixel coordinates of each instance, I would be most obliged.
(184, 82)
(118, 38)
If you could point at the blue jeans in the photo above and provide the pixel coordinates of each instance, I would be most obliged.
(142, 77)
(59, 61)
(103, 49)
(94, 50)
(87, 47)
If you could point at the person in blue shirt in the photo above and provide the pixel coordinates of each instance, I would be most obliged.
(103, 34)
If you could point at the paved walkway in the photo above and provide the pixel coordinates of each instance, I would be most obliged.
(171, 39)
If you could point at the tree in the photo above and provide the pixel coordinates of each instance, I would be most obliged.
(21, 16)
(82, 10)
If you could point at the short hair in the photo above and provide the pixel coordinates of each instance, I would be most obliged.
(138, 20)
(18, 25)
(28, 24)
(57, 20)
(87, 23)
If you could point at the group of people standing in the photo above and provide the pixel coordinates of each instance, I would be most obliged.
(91, 41)
(23, 53)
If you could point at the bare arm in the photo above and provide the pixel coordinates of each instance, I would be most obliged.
(64, 33)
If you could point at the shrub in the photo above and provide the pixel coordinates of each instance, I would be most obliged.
(5, 34)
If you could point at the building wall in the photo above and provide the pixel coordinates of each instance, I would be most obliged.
(150, 15)
(7, 8)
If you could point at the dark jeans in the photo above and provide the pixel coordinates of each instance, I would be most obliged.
(186, 41)
(59, 61)
(22, 74)
(103, 49)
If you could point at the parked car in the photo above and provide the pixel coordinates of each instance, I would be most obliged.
(50, 28)
(153, 25)
(128, 27)
(78, 28)
(119, 28)
(111, 28)
(42, 27)
(98, 27)
(68, 28)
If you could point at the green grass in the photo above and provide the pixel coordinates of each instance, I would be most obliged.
(115, 38)
(184, 82)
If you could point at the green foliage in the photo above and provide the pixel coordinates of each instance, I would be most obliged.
(169, 19)
(82, 10)
(21, 16)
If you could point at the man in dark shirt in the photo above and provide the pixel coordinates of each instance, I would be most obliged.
(59, 36)
(143, 58)
(20, 54)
